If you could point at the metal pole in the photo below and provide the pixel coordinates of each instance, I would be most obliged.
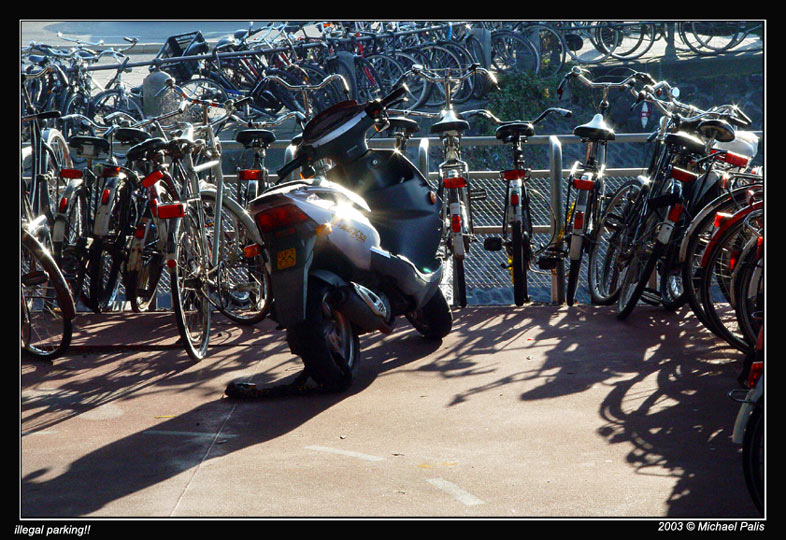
(423, 157)
(555, 167)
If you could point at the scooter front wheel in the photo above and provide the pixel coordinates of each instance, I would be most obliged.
(434, 320)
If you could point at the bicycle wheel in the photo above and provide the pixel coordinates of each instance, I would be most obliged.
(56, 156)
(511, 53)
(715, 37)
(634, 40)
(243, 283)
(459, 282)
(519, 259)
(418, 88)
(441, 58)
(203, 89)
(672, 291)
(113, 100)
(753, 455)
(749, 297)
(189, 286)
(609, 237)
(71, 252)
(715, 287)
(638, 267)
(47, 307)
(368, 81)
(583, 42)
(549, 45)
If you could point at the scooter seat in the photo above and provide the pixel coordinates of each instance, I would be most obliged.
(255, 137)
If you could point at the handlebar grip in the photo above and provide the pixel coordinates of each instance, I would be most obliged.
(396, 95)
(740, 118)
(287, 169)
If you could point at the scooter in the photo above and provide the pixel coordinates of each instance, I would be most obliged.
(350, 246)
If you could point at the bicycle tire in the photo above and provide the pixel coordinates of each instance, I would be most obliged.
(113, 100)
(550, 46)
(459, 282)
(749, 296)
(753, 446)
(575, 35)
(639, 268)
(716, 274)
(244, 283)
(603, 271)
(719, 36)
(519, 260)
(418, 89)
(190, 297)
(512, 53)
(47, 335)
(644, 36)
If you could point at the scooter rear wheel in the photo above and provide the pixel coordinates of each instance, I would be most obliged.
(435, 319)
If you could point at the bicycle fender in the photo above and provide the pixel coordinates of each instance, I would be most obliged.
(206, 190)
(104, 210)
(58, 229)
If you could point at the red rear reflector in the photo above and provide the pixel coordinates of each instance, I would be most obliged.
(514, 174)
(70, 173)
(171, 263)
(251, 251)
(168, 211)
(514, 199)
(455, 182)
(735, 160)
(682, 175)
(280, 217)
(578, 220)
(755, 373)
(249, 174)
(578, 183)
(152, 178)
(63, 204)
(455, 223)
(110, 171)
(720, 217)
(105, 197)
(676, 212)
(140, 232)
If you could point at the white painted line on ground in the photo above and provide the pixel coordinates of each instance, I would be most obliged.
(183, 433)
(344, 453)
(42, 432)
(454, 491)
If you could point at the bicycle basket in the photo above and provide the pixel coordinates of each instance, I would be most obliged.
(189, 44)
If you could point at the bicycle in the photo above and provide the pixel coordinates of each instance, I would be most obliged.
(587, 179)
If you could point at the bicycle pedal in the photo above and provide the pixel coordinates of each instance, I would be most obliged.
(492, 244)
(478, 194)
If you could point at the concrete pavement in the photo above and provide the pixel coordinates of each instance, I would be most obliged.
(540, 411)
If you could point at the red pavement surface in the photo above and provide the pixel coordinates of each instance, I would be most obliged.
(541, 411)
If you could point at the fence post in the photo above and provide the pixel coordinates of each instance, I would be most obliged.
(555, 167)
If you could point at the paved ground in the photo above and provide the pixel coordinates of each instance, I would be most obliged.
(533, 412)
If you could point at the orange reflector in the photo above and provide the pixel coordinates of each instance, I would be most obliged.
(171, 263)
(682, 175)
(140, 231)
(152, 178)
(70, 173)
(455, 223)
(455, 182)
(110, 171)
(168, 211)
(324, 230)
(755, 373)
(579, 183)
(249, 174)
(514, 199)
(251, 251)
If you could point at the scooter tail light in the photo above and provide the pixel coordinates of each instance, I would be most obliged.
(249, 174)
(455, 182)
(279, 217)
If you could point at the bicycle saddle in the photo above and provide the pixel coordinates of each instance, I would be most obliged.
(690, 143)
(139, 151)
(251, 137)
(89, 145)
(449, 122)
(403, 124)
(716, 129)
(510, 131)
(595, 130)
(127, 135)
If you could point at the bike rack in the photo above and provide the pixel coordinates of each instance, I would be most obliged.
(555, 169)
